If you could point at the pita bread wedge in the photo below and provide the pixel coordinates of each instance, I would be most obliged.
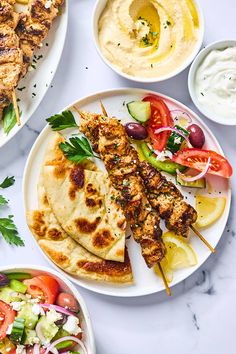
(84, 203)
(68, 254)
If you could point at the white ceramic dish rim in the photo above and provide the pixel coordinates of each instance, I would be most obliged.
(95, 18)
(79, 297)
(191, 76)
(10, 137)
(88, 286)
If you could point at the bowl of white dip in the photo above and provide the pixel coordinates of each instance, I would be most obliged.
(148, 40)
(212, 82)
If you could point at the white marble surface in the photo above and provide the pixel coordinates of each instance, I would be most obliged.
(200, 316)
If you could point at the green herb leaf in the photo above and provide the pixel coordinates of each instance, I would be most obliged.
(3, 201)
(8, 182)
(9, 231)
(9, 118)
(62, 121)
(77, 149)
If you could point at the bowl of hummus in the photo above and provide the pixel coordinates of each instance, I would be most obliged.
(212, 82)
(148, 40)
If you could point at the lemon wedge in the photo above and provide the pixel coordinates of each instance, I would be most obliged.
(179, 255)
(209, 209)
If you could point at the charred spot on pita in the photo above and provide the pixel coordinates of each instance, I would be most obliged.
(102, 238)
(77, 176)
(84, 225)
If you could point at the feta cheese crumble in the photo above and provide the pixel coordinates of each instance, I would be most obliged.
(72, 325)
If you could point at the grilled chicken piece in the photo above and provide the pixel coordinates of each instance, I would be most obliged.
(11, 58)
(7, 14)
(11, 62)
(165, 197)
(34, 25)
(120, 158)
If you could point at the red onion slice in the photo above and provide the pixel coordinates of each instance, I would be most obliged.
(36, 349)
(59, 309)
(164, 129)
(179, 111)
(195, 178)
(39, 333)
(51, 347)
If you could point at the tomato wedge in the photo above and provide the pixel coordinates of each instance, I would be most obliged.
(44, 287)
(7, 316)
(197, 158)
(160, 117)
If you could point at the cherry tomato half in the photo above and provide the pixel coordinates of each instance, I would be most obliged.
(160, 117)
(7, 316)
(43, 287)
(197, 158)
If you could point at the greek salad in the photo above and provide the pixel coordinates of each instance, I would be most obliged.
(36, 317)
(171, 142)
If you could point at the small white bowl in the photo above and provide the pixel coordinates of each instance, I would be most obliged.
(65, 286)
(223, 44)
(99, 7)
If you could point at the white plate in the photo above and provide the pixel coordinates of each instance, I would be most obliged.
(66, 286)
(146, 282)
(41, 76)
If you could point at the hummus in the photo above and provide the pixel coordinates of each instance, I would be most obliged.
(148, 38)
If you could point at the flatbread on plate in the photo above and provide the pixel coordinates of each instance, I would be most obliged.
(68, 254)
(84, 203)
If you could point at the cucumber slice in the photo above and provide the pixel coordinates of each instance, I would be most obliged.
(18, 276)
(200, 183)
(17, 330)
(30, 318)
(18, 286)
(140, 111)
(175, 140)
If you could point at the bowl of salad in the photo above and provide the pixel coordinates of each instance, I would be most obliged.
(42, 313)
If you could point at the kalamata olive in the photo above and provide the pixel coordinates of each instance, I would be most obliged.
(196, 136)
(136, 131)
(3, 280)
(62, 321)
(68, 301)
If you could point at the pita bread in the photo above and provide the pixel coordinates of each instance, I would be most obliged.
(70, 256)
(83, 202)
(58, 245)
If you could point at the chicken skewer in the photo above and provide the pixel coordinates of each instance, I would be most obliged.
(120, 158)
(178, 215)
(11, 56)
(165, 197)
(34, 25)
(20, 35)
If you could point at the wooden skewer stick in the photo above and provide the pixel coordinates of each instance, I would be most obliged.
(164, 280)
(104, 112)
(203, 239)
(16, 107)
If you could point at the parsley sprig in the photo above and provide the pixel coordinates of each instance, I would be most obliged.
(62, 121)
(7, 227)
(77, 149)
(9, 231)
(8, 182)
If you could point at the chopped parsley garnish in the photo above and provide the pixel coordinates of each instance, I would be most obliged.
(8, 182)
(21, 88)
(3, 201)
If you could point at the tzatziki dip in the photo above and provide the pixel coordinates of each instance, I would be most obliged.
(215, 82)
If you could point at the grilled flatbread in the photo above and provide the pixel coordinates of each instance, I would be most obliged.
(83, 202)
(68, 254)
